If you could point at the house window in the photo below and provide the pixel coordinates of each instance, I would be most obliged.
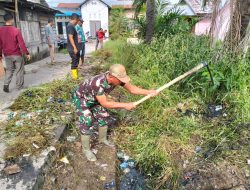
(60, 28)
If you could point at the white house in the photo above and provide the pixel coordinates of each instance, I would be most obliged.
(95, 14)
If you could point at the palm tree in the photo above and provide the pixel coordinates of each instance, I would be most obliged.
(150, 16)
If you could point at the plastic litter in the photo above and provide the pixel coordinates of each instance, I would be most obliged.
(94, 151)
(120, 155)
(11, 115)
(12, 169)
(198, 149)
(60, 100)
(110, 185)
(26, 155)
(64, 160)
(35, 145)
(51, 99)
(19, 123)
(104, 165)
(71, 138)
(248, 161)
(131, 163)
(214, 110)
(103, 178)
(123, 165)
(132, 180)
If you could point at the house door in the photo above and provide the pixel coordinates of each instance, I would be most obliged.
(94, 26)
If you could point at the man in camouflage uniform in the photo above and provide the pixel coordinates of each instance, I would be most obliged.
(91, 103)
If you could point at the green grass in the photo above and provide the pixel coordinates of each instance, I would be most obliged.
(159, 137)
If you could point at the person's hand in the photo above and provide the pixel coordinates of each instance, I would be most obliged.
(28, 57)
(129, 106)
(75, 51)
(153, 93)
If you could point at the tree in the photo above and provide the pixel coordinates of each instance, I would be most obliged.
(150, 16)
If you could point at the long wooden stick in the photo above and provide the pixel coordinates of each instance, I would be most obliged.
(198, 67)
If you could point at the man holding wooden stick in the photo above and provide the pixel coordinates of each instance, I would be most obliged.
(91, 103)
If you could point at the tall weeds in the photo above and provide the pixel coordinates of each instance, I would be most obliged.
(160, 137)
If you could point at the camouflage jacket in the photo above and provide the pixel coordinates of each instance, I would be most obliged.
(90, 88)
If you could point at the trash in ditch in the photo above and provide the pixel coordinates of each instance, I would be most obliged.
(110, 185)
(132, 180)
(104, 165)
(51, 99)
(123, 165)
(71, 138)
(60, 100)
(11, 115)
(94, 151)
(214, 110)
(198, 149)
(26, 155)
(131, 163)
(103, 178)
(64, 160)
(27, 115)
(19, 123)
(248, 161)
(120, 155)
(14, 169)
(35, 145)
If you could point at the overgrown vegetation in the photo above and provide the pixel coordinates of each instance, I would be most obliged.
(119, 24)
(165, 131)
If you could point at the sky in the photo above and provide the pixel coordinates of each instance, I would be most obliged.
(53, 3)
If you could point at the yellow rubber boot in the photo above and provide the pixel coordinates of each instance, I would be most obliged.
(74, 74)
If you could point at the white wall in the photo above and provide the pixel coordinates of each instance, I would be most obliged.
(95, 10)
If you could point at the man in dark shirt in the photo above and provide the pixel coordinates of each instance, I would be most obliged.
(72, 45)
(12, 46)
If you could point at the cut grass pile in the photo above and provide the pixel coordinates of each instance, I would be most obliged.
(38, 110)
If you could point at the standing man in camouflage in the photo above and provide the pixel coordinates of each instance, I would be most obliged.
(90, 99)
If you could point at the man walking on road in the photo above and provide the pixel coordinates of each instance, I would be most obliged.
(51, 39)
(72, 45)
(81, 41)
(90, 99)
(12, 46)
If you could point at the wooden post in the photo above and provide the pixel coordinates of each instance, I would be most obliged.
(17, 14)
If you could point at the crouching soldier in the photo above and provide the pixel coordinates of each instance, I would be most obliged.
(91, 104)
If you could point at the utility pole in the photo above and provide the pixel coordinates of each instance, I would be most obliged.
(17, 14)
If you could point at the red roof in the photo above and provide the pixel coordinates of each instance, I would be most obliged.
(123, 6)
(69, 5)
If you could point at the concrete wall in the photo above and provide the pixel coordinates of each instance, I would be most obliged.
(95, 10)
(33, 30)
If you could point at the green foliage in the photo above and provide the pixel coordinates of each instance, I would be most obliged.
(118, 24)
(169, 23)
(159, 137)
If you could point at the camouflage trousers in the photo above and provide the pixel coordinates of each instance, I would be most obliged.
(88, 116)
